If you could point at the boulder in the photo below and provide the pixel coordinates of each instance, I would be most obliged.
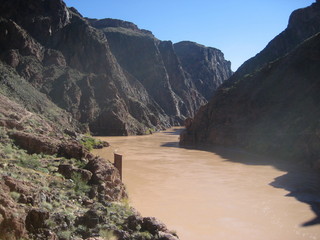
(107, 179)
(167, 236)
(36, 219)
(134, 222)
(90, 219)
(68, 171)
(153, 225)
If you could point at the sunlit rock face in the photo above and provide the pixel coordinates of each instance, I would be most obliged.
(273, 108)
(206, 66)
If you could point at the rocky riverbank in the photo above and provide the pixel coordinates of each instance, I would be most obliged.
(53, 188)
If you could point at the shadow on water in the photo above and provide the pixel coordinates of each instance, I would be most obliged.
(174, 131)
(302, 182)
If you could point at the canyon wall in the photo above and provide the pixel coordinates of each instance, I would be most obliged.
(111, 76)
(270, 105)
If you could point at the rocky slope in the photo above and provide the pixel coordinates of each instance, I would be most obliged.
(273, 109)
(52, 187)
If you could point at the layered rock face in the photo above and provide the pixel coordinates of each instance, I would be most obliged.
(273, 110)
(110, 75)
(206, 66)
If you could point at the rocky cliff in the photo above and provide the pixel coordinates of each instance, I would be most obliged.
(79, 74)
(110, 75)
(274, 108)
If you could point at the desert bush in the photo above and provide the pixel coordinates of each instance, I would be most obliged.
(15, 195)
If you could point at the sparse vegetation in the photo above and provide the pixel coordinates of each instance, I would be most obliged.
(89, 142)
(65, 234)
(150, 131)
(81, 186)
(143, 235)
(107, 235)
(15, 195)
(47, 206)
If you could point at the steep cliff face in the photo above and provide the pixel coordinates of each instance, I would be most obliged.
(139, 55)
(189, 98)
(206, 66)
(273, 110)
(154, 64)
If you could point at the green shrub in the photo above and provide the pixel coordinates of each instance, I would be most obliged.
(3, 134)
(89, 142)
(65, 234)
(81, 187)
(47, 205)
(150, 131)
(31, 161)
(15, 195)
(50, 223)
(107, 235)
(143, 235)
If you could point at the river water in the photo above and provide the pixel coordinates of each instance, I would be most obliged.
(217, 195)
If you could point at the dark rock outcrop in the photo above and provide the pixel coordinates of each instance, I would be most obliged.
(40, 18)
(69, 171)
(36, 219)
(273, 110)
(153, 225)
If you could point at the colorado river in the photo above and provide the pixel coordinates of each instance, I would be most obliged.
(223, 194)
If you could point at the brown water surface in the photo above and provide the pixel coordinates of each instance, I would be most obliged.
(220, 194)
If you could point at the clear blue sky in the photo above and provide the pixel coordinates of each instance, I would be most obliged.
(240, 29)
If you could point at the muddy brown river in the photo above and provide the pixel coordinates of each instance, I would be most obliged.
(219, 194)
